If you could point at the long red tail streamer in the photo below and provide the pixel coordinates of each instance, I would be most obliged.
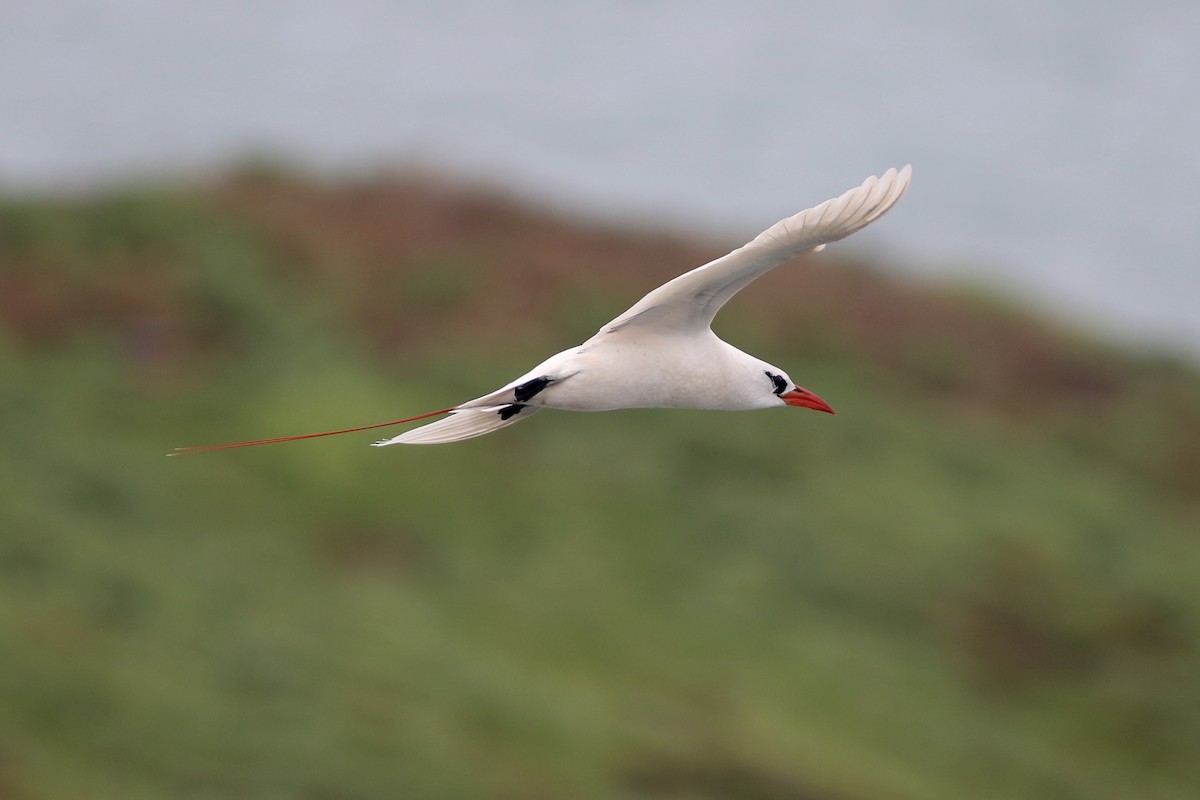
(208, 448)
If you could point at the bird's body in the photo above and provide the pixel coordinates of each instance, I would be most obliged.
(661, 352)
(650, 371)
(614, 373)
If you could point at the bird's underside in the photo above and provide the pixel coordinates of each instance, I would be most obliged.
(661, 352)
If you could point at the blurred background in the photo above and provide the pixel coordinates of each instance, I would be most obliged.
(240, 220)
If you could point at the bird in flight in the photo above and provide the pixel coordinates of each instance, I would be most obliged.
(661, 353)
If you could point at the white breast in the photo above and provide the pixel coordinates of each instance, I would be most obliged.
(666, 371)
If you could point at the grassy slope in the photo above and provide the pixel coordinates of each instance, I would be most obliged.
(977, 581)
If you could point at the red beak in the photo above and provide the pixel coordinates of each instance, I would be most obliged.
(803, 398)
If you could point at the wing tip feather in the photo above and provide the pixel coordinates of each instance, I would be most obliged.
(841, 216)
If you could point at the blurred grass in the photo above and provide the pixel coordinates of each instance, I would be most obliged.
(977, 581)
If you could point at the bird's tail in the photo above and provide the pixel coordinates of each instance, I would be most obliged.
(463, 423)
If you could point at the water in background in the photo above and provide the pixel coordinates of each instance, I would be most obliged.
(1054, 143)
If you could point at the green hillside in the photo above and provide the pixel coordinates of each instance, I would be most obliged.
(978, 580)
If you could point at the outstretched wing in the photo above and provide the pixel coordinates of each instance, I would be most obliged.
(690, 302)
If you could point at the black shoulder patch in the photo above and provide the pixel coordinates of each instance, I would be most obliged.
(525, 392)
(510, 410)
(779, 381)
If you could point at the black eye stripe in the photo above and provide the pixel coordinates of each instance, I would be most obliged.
(779, 381)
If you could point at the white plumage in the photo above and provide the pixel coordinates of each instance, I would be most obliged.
(662, 353)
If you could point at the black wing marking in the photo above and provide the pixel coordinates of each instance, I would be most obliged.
(511, 410)
(526, 391)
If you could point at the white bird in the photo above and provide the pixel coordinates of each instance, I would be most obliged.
(661, 353)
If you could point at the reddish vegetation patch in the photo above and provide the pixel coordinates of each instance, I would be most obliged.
(138, 308)
(33, 308)
(490, 264)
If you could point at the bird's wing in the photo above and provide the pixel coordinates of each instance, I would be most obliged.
(689, 302)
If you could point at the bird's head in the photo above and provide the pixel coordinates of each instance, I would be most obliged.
(790, 394)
